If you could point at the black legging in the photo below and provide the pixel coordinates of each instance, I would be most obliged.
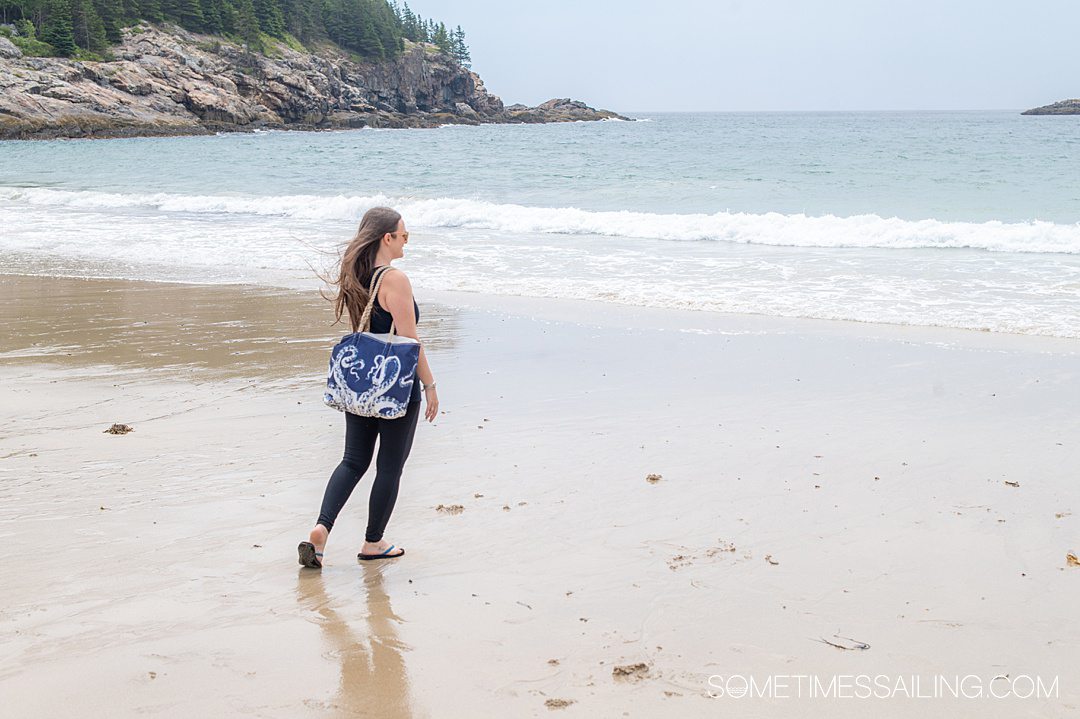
(395, 441)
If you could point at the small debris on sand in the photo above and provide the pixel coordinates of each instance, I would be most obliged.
(558, 703)
(522, 504)
(506, 507)
(1061, 515)
(450, 509)
(477, 495)
(630, 672)
(653, 478)
(1071, 560)
(153, 675)
(846, 643)
(1012, 484)
(119, 429)
(724, 547)
(679, 560)
(770, 560)
(553, 662)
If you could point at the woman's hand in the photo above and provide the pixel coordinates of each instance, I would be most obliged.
(432, 398)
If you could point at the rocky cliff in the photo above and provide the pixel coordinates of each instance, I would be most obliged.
(1064, 107)
(166, 81)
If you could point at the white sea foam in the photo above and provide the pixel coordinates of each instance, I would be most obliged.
(274, 241)
(795, 230)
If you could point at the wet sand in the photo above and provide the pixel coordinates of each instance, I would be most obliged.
(912, 489)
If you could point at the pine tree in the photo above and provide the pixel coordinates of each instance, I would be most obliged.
(460, 50)
(386, 25)
(170, 10)
(152, 10)
(336, 22)
(229, 17)
(300, 19)
(56, 27)
(247, 24)
(211, 12)
(441, 38)
(270, 19)
(368, 43)
(408, 24)
(189, 15)
(111, 13)
(87, 28)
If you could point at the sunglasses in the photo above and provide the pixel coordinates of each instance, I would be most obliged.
(404, 234)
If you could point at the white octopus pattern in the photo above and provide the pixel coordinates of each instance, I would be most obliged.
(384, 372)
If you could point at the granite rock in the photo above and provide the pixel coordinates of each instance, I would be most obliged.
(167, 81)
(1062, 107)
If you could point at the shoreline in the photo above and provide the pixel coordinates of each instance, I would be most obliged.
(691, 320)
(397, 122)
(816, 479)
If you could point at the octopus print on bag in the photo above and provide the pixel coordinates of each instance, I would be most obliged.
(380, 391)
(372, 375)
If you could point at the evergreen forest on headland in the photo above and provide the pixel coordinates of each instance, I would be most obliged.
(85, 29)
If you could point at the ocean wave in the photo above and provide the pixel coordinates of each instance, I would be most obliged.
(771, 228)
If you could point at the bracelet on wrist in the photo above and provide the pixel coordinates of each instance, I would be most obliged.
(426, 387)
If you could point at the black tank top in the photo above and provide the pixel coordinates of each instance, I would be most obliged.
(380, 324)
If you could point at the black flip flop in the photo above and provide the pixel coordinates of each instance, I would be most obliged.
(384, 555)
(308, 556)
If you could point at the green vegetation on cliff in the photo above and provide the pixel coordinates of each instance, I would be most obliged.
(373, 29)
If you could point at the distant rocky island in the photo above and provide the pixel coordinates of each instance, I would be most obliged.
(1063, 107)
(165, 80)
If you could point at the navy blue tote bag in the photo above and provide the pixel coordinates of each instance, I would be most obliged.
(371, 375)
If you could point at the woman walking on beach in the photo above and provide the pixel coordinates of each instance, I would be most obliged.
(380, 240)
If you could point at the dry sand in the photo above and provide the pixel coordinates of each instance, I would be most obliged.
(817, 479)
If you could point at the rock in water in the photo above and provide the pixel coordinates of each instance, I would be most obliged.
(1062, 107)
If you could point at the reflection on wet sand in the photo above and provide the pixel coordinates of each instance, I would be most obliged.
(373, 679)
(225, 331)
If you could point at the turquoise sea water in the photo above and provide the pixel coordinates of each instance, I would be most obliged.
(957, 219)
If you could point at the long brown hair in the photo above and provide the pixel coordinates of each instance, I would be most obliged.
(357, 261)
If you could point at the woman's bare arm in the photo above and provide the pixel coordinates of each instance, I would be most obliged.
(395, 294)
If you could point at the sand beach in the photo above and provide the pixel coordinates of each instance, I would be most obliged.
(907, 493)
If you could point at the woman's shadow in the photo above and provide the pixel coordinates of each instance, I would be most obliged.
(373, 679)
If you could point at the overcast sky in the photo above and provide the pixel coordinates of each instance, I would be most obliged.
(634, 55)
